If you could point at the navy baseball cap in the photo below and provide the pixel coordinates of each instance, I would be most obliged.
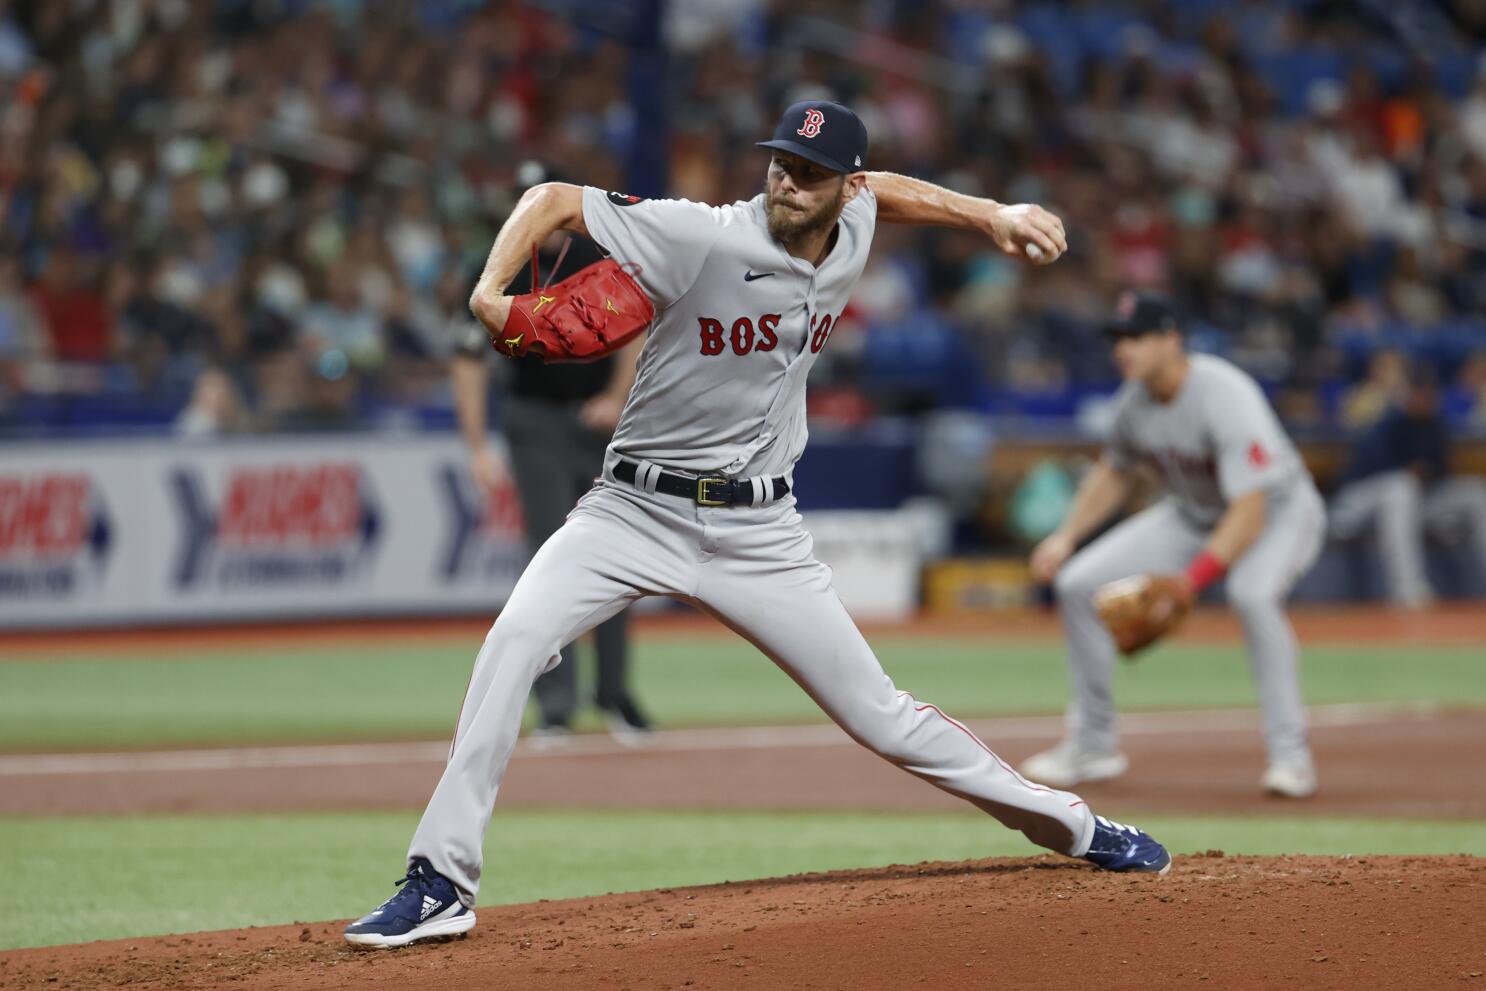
(826, 133)
(1139, 313)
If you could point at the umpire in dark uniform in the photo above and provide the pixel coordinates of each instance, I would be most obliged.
(557, 421)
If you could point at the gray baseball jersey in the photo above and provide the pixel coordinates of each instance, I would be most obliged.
(721, 380)
(1215, 441)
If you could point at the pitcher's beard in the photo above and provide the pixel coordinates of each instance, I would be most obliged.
(785, 227)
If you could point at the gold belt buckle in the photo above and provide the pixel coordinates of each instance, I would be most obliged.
(702, 498)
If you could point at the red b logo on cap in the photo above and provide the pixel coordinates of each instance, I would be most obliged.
(813, 119)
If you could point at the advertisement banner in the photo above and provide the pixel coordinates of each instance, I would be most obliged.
(54, 535)
(153, 531)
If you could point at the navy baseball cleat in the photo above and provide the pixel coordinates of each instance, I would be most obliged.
(1117, 847)
(426, 907)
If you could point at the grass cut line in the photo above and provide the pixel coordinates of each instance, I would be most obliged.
(392, 693)
(149, 875)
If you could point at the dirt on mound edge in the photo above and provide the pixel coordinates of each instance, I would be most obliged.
(1215, 921)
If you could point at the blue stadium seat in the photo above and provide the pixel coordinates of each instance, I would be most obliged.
(1103, 31)
(924, 355)
(1456, 73)
(1390, 65)
(1049, 28)
(1290, 74)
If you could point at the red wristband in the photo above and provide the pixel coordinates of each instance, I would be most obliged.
(1203, 571)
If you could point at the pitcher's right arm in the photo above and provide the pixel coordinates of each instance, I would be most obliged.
(548, 207)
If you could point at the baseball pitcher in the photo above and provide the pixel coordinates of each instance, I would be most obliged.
(1239, 502)
(695, 499)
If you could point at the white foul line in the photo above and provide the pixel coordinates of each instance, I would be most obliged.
(685, 740)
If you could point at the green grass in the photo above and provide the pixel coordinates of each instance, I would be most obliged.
(413, 691)
(108, 878)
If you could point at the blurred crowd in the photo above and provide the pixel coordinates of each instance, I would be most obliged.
(259, 215)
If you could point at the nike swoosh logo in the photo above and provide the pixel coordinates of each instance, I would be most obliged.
(749, 276)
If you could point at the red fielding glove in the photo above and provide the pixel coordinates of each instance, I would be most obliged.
(585, 317)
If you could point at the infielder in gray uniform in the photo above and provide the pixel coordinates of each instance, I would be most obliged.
(1239, 501)
(695, 501)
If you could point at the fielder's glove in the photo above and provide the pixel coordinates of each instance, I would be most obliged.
(1143, 609)
(592, 313)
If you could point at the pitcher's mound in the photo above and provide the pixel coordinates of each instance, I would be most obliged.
(1215, 921)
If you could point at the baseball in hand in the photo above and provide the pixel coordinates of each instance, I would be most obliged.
(1033, 252)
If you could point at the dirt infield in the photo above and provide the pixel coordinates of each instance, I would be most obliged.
(1455, 624)
(1222, 922)
(1370, 758)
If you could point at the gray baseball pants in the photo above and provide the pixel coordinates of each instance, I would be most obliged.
(1161, 540)
(754, 569)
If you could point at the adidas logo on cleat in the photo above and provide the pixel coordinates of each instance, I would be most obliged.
(430, 906)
